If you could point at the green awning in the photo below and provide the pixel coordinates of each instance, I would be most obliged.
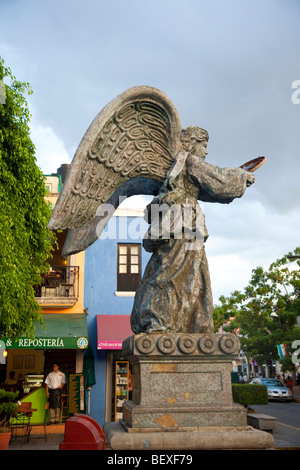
(61, 331)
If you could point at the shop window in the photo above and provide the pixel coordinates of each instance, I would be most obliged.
(129, 266)
(18, 362)
(29, 362)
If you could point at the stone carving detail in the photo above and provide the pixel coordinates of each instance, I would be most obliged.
(187, 344)
(227, 344)
(145, 344)
(166, 344)
(182, 344)
(135, 136)
(207, 344)
(133, 143)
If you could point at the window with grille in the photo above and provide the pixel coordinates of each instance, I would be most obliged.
(129, 266)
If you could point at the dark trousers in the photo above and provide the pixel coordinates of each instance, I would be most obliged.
(54, 404)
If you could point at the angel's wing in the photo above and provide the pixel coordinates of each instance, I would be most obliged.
(127, 150)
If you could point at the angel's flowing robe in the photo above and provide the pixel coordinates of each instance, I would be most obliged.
(175, 292)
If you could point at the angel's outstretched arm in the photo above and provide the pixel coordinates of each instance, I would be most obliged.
(218, 184)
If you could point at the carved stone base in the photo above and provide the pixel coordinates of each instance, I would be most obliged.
(181, 385)
(206, 438)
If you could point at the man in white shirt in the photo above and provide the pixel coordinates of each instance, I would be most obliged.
(54, 383)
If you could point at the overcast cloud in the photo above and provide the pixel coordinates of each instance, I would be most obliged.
(228, 66)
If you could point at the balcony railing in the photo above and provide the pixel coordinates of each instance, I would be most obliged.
(61, 281)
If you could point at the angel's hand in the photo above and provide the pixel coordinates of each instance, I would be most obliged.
(250, 179)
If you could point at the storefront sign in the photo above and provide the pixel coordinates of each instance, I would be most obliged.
(47, 343)
(109, 344)
(112, 330)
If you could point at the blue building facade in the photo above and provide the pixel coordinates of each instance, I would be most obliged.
(104, 300)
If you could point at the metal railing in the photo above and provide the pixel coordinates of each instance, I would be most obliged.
(61, 281)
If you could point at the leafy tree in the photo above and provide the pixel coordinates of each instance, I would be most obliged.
(25, 242)
(248, 313)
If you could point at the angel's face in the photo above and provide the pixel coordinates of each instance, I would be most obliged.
(201, 149)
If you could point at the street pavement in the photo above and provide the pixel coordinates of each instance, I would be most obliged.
(287, 432)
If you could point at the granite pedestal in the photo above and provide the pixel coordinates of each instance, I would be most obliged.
(182, 396)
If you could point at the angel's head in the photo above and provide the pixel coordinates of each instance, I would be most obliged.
(194, 140)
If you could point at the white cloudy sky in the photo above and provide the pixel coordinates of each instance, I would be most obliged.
(227, 65)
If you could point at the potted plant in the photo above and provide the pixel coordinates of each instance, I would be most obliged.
(8, 408)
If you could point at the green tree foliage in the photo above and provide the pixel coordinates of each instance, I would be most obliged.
(25, 242)
(248, 313)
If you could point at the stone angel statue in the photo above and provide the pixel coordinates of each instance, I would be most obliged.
(136, 145)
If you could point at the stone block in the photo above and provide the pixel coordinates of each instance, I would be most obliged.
(182, 396)
(262, 421)
(209, 438)
(181, 381)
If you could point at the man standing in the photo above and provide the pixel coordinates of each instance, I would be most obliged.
(54, 383)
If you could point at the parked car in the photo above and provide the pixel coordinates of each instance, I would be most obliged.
(276, 390)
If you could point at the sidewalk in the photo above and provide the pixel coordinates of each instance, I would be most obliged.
(38, 441)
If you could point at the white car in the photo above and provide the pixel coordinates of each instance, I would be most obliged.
(276, 390)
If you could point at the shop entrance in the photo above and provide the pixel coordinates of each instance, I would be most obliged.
(36, 364)
(118, 384)
(65, 357)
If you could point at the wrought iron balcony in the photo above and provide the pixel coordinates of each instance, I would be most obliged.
(60, 282)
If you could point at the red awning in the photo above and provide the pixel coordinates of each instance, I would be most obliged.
(112, 330)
